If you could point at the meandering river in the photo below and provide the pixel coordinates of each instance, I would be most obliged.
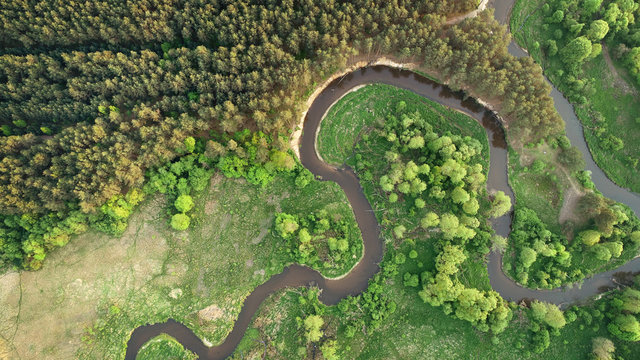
(356, 281)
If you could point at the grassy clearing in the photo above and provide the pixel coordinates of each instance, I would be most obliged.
(164, 347)
(540, 191)
(615, 97)
(100, 288)
(354, 114)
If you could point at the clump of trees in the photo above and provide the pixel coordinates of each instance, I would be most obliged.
(575, 31)
(547, 260)
(319, 239)
(545, 320)
(624, 314)
(440, 179)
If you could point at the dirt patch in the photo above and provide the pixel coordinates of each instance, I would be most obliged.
(569, 206)
(212, 203)
(474, 13)
(618, 81)
(211, 313)
(4, 350)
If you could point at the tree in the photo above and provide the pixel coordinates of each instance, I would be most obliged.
(329, 350)
(597, 30)
(602, 348)
(589, 237)
(591, 6)
(432, 220)
(630, 301)
(449, 259)
(416, 142)
(180, 221)
(554, 317)
(576, 51)
(499, 243)
(190, 144)
(449, 224)
(399, 230)
(471, 207)
(571, 158)
(557, 16)
(601, 252)
(183, 203)
(527, 256)
(304, 178)
(312, 326)
(459, 195)
(625, 327)
(500, 205)
(286, 224)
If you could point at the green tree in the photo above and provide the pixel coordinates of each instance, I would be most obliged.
(432, 220)
(459, 195)
(286, 224)
(312, 326)
(500, 205)
(597, 30)
(576, 51)
(589, 237)
(190, 144)
(330, 350)
(183, 203)
(180, 221)
(527, 256)
(471, 207)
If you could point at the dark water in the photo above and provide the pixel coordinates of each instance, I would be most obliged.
(356, 281)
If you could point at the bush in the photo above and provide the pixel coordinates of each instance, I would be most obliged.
(180, 221)
(184, 203)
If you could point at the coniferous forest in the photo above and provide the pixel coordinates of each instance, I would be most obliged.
(93, 95)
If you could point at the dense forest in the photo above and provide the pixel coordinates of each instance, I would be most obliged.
(82, 125)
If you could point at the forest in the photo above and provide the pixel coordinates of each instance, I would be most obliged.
(83, 126)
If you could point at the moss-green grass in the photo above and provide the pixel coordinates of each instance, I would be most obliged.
(619, 107)
(164, 347)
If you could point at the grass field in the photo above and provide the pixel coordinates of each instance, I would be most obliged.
(615, 96)
(92, 293)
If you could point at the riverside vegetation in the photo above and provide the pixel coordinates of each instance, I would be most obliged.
(391, 319)
(590, 49)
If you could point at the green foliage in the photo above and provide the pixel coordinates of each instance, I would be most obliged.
(500, 205)
(180, 221)
(313, 328)
(164, 347)
(319, 239)
(589, 237)
(183, 203)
